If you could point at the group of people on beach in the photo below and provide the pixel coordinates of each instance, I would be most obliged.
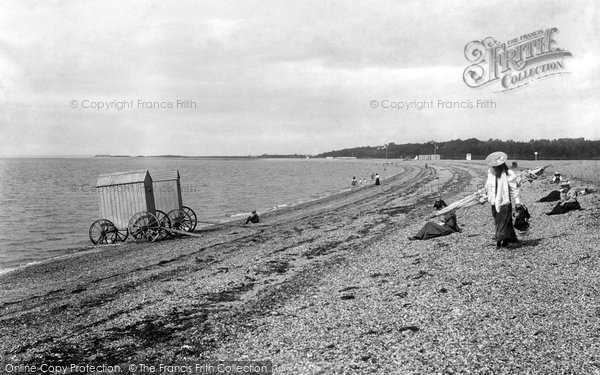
(359, 182)
(502, 192)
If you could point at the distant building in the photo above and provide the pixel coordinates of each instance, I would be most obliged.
(428, 157)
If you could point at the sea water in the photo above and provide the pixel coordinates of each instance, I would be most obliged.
(48, 204)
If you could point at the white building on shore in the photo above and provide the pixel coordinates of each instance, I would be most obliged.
(428, 157)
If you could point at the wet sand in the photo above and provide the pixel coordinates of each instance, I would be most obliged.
(331, 286)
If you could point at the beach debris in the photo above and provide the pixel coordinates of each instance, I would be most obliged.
(583, 257)
(585, 191)
(78, 289)
(273, 266)
(419, 275)
(377, 274)
(408, 328)
(348, 288)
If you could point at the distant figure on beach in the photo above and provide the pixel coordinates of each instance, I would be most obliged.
(438, 229)
(515, 165)
(372, 176)
(364, 181)
(353, 183)
(252, 218)
(426, 167)
(377, 182)
(557, 179)
(568, 200)
(501, 191)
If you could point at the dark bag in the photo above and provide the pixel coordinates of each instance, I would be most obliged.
(522, 218)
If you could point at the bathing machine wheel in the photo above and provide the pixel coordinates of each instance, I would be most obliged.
(192, 215)
(180, 220)
(103, 232)
(144, 226)
(164, 222)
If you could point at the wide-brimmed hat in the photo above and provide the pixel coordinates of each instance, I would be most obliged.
(565, 183)
(556, 173)
(496, 158)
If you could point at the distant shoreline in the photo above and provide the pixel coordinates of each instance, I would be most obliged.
(209, 157)
(100, 156)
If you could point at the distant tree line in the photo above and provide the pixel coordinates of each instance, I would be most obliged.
(284, 156)
(562, 148)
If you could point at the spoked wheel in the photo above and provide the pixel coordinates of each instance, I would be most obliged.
(103, 232)
(192, 214)
(164, 222)
(144, 226)
(180, 220)
(121, 235)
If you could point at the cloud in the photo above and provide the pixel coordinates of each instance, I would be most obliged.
(276, 77)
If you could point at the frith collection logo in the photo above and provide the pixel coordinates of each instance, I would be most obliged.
(516, 62)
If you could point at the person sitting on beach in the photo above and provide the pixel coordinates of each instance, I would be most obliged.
(353, 183)
(252, 218)
(557, 178)
(552, 196)
(438, 229)
(568, 200)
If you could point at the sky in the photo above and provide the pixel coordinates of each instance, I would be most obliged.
(279, 77)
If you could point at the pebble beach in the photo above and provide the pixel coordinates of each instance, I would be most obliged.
(332, 286)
